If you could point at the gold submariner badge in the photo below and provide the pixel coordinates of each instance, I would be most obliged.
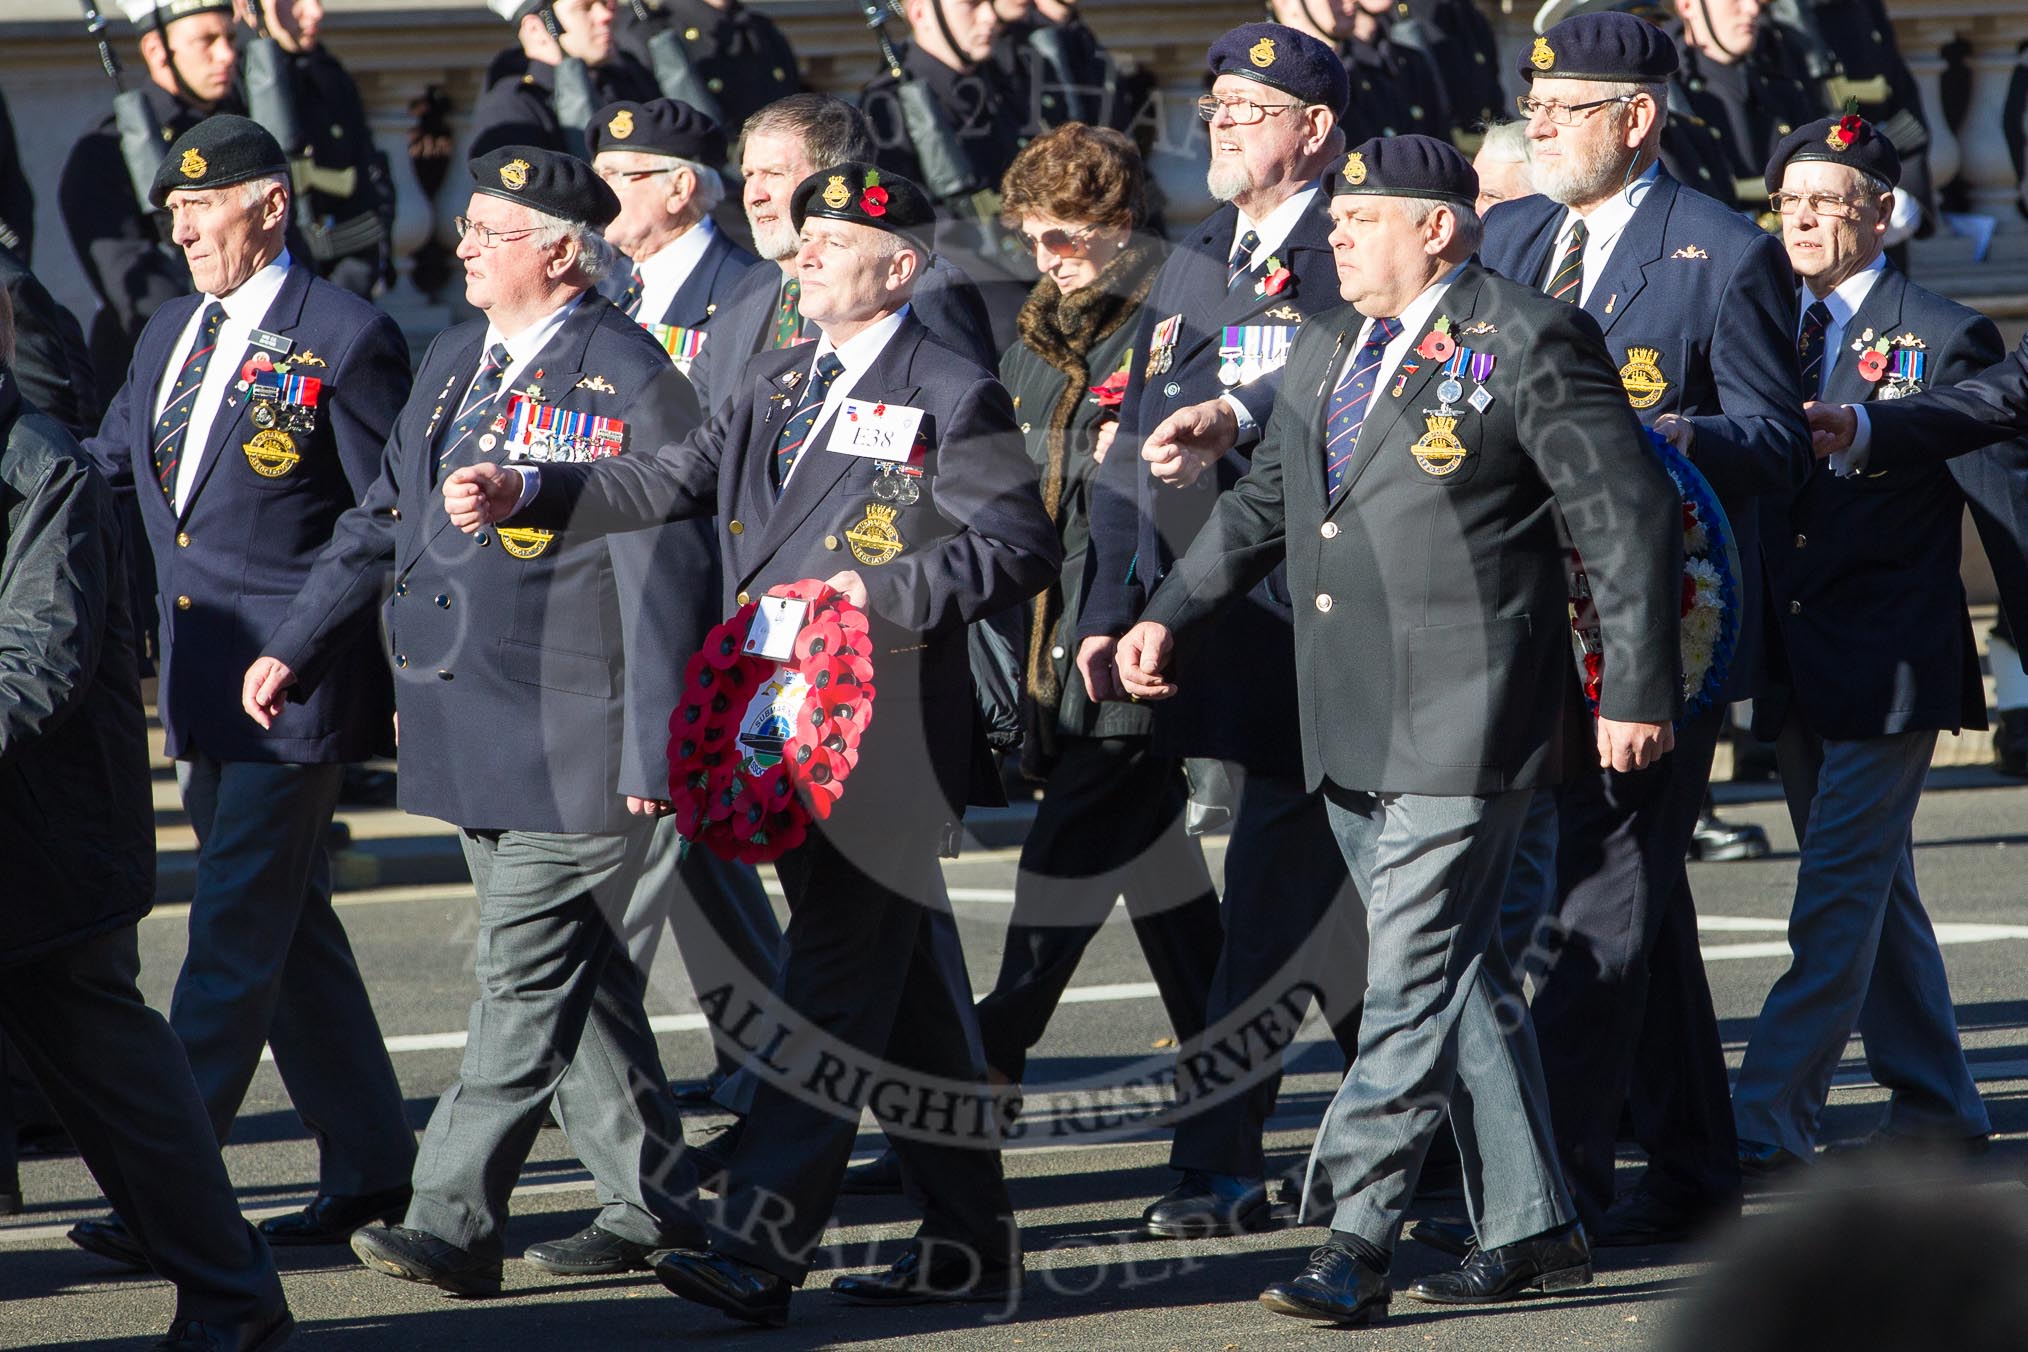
(514, 175)
(272, 453)
(1642, 377)
(874, 539)
(1438, 451)
(524, 543)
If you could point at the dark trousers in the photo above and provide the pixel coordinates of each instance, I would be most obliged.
(865, 991)
(1622, 1007)
(1294, 927)
(1110, 824)
(119, 1081)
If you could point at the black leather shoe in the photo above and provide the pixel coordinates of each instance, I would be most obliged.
(696, 1095)
(727, 1285)
(258, 1335)
(878, 1177)
(1640, 1218)
(591, 1252)
(1558, 1260)
(331, 1219)
(2010, 743)
(1205, 1206)
(10, 1201)
(1445, 1235)
(1335, 1287)
(713, 1154)
(1717, 841)
(1759, 1160)
(109, 1237)
(950, 1277)
(419, 1256)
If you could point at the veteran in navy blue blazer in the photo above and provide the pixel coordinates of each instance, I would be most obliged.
(249, 422)
(1872, 657)
(1698, 313)
(1215, 331)
(515, 677)
(950, 532)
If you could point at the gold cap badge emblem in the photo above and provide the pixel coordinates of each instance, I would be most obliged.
(836, 194)
(1542, 56)
(1262, 53)
(1355, 168)
(622, 125)
(1642, 377)
(514, 174)
(193, 165)
(1438, 451)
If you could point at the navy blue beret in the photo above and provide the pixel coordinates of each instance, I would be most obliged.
(864, 195)
(657, 127)
(547, 181)
(1406, 166)
(221, 150)
(1601, 46)
(1850, 139)
(1282, 58)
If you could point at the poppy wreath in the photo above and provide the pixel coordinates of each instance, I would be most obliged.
(1709, 603)
(723, 798)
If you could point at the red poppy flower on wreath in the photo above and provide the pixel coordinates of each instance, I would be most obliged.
(758, 749)
(1872, 365)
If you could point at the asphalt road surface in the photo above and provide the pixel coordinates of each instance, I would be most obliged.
(1092, 1283)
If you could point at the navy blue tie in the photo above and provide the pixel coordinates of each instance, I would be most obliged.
(1350, 401)
(478, 407)
(1810, 348)
(1241, 261)
(796, 431)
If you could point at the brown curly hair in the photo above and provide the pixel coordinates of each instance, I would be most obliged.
(1077, 173)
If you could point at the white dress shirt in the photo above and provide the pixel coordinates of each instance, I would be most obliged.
(1273, 232)
(1843, 303)
(857, 353)
(664, 271)
(245, 308)
(1603, 228)
(523, 347)
(1415, 320)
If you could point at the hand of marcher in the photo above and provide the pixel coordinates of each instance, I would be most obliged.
(260, 694)
(1143, 655)
(1095, 662)
(1832, 428)
(1190, 441)
(479, 495)
(1633, 746)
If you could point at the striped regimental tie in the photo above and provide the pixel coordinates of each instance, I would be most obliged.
(1567, 282)
(478, 406)
(174, 424)
(1350, 400)
(796, 431)
(1810, 348)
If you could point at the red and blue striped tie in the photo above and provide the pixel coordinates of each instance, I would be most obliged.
(796, 431)
(1350, 400)
(174, 424)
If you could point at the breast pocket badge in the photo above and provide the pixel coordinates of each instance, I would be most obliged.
(1438, 451)
(1642, 377)
(272, 453)
(873, 539)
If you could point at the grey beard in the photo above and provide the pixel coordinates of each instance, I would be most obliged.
(776, 244)
(1226, 182)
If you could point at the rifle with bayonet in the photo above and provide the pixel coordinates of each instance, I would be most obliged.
(675, 75)
(946, 171)
(141, 144)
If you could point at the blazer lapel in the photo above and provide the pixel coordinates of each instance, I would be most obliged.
(1313, 469)
(1389, 407)
(1879, 314)
(1640, 245)
(284, 313)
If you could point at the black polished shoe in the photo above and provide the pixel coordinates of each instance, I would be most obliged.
(697, 1095)
(1759, 1160)
(1640, 1218)
(256, 1335)
(109, 1237)
(331, 1219)
(1335, 1287)
(1558, 1260)
(713, 1154)
(1446, 1235)
(591, 1252)
(951, 1276)
(10, 1200)
(419, 1256)
(1717, 841)
(751, 1294)
(1205, 1206)
(878, 1177)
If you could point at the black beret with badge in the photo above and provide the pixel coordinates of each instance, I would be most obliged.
(658, 127)
(1608, 46)
(218, 152)
(1406, 166)
(547, 181)
(1283, 58)
(864, 195)
(1850, 140)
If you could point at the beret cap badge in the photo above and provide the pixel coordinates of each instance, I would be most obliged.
(1355, 168)
(1262, 53)
(1542, 56)
(1844, 133)
(622, 125)
(514, 174)
(193, 165)
(836, 194)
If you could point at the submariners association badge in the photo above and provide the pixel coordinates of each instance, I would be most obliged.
(1542, 56)
(1438, 450)
(514, 175)
(1355, 168)
(524, 543)
(272, 453)
(1642, 377)
(874, 539)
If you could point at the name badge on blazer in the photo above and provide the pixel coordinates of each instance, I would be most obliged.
(875, 431)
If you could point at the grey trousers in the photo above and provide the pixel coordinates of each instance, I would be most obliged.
(269, 963)
(1864, 954)
(1444, 1028)
(559, 1015)
(725, 929)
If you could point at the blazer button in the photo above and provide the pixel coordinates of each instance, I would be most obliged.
(443, 601)
(735, 527)
(830, 542)
(1172, 389)
(183, 603)
(1057, 654)
(482, 539)
(443, 673)
(741, 598)
(1795, 607)
(1323, 601)
(1329, 530)
(394, 512)
(401, 589)
(401, 659)
(183, 539)
(1802, 541)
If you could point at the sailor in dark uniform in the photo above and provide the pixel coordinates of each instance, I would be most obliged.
(742, 57)
(519, 105)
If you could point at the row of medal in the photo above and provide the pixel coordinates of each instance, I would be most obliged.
(1248, 352)
(1466, 362)
(544, 432)
(898, 484)
(284, 403)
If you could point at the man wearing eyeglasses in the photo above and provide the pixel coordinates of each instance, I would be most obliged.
(1216, 331)
(1698, 315)
(1875, 654)
(519, 103)
(516, 671)
(251, 420)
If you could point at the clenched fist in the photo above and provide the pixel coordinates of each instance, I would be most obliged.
(479, 495)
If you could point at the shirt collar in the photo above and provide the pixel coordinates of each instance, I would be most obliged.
(248, 304)
(1275, 230)
(523, 346)
(858, 351)
(1415, 316)
(1845, 300)
(671, 264)
(1609, 219)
